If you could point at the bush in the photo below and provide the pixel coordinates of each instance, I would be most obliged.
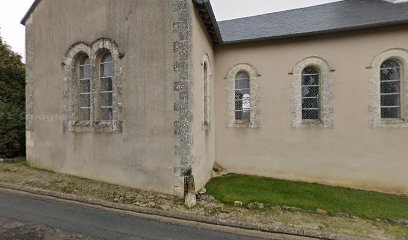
(12, 103)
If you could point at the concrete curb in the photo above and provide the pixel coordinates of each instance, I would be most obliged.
(181, 216)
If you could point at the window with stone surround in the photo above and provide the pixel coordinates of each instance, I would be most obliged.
(242, 98)
(84, 88)
(312, 94)
(242, 91)
(389, 91)
(92, 95)
(206, 91)
(106, 88)
(390, 81)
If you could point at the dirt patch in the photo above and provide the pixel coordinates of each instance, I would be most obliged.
(19, 173)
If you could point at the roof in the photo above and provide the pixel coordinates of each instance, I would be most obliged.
(326, 18)
(208, 18)
(30, 11)
(332, 17)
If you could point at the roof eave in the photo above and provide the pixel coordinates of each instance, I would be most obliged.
(315, 33)
(30, 11)
(208, 19)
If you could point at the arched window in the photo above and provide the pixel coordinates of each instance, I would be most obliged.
(84, 85)
(106, 87)
(205, 94)
(390, 79)
(242, 97)
(310, 93)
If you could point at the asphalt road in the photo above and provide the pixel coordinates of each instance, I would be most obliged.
(96, 224)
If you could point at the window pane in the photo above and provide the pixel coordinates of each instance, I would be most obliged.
(84, 86)
(106, 99)
(310, 103)
(107, 58)
(391, 100)
(107, 66)
(84, 114)
(84, 100)
(310, 91)
(390, 87)
(238, 104)
(390, 112)
(310, 114)
(311, 79)
(85, 68)
(106, 70)
(106, 114)
(106, 84)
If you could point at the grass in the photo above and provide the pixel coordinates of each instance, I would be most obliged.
(308, 196)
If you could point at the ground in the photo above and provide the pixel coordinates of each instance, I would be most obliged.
(15, 230)
(284, 216)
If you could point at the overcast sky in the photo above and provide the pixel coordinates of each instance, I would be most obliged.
(12, 11)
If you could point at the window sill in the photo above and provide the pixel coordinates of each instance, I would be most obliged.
(394, 123)
(312, 124)
(241, 124)
(99, 127)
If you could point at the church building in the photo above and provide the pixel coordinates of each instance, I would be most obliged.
(152, 93)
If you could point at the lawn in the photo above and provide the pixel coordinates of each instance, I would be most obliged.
(308, 196)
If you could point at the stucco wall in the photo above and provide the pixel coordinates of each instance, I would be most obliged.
(143, 156)
(203, 136)
(349, 153)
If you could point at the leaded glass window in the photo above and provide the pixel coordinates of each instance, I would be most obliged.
(242, 97)
(390, 89)
(106, 87)
(310, 93)
(84, 113)
(205, 93)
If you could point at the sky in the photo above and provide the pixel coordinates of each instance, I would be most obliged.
(12, 11)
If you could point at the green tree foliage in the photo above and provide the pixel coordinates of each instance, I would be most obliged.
(12, 103)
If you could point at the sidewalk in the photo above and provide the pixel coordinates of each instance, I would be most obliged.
(282, 220)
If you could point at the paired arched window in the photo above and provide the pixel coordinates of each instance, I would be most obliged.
(106, 87)
(242, 97)
(390, 80)
(84, 83)
(86, 86)
(310, 93)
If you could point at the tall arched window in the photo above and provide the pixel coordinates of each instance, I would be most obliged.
(106, 87)
(84, 84)
(242, 97)
(390, 78)
(205, 94)
(310, 93)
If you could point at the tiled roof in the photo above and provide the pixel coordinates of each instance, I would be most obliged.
(331, 17)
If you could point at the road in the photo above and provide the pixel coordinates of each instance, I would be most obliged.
(24, 218)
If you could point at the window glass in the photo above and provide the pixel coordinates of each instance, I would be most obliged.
(310, 93)
(106, 89)
(84, 89)
(242, 97)
(390, 89)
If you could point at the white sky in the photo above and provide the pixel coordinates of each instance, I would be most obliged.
(12, 11)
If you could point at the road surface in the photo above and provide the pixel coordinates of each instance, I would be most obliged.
(24, 218)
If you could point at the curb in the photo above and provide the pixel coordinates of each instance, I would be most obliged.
(180, 216)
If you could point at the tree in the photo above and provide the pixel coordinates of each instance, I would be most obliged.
(12, 103)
